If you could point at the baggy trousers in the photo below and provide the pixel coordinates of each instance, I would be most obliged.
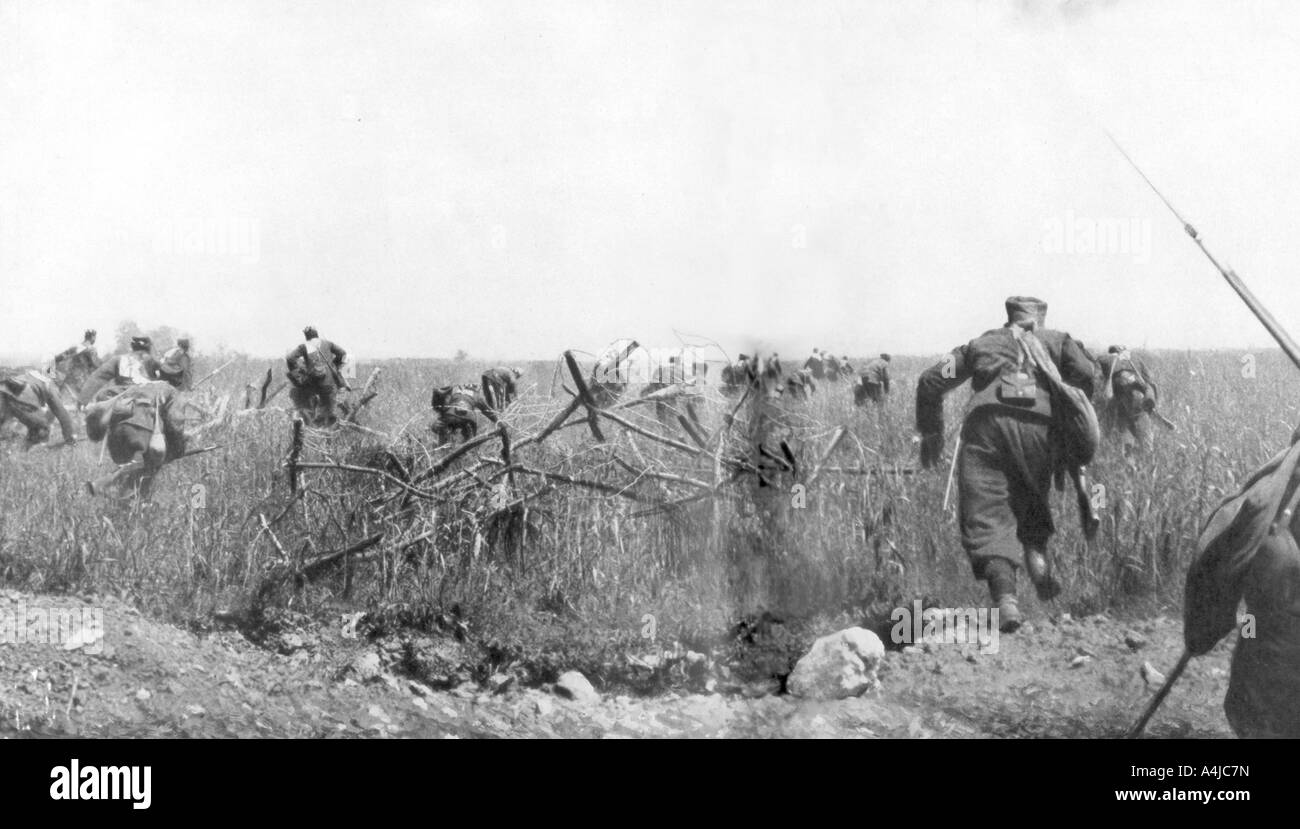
(1004, 479)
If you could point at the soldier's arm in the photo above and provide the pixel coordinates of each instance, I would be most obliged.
(60, 413)
(298, 352)
(339, 353)
(1077, 368)
(884, 376)
(101, 377)
(152, 368)
(1214, 589)
(934, 383)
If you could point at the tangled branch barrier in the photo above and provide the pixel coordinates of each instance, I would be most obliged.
(577, 490)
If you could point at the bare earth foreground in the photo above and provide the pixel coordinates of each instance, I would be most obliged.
(156, 680)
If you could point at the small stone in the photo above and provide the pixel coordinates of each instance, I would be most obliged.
(573, 685)
(142, 695)
(366, 666)
(1135, 641)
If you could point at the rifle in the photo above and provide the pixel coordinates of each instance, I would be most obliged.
(1261, 313)
(1088, 518)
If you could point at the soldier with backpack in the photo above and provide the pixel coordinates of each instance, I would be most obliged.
(315, 373)
(1011, 444)
(1129, 395)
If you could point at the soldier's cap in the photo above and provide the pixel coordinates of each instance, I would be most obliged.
(1117, 349)
(1024, 308)
(141, 343)
(885, 357)
(90, 332)
(517, 372)
(744, 357)
(309, 331)
(183, 342)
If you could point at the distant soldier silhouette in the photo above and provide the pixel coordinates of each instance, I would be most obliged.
(873, 383)
(31, 397)
(736, 376)
(71, 367)
(1007, 456)
(315, 373)
(801, 384)
(1131, 399)
(176, 367)
(500, 388)
(832, 366)
(455, 407)
(815, 365)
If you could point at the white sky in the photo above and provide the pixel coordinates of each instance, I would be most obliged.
(515, 178)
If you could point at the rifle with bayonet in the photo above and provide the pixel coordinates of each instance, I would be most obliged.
(1283, 339)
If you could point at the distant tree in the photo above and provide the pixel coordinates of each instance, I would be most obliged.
(461, 355)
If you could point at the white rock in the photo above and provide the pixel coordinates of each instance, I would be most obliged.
(573, 685)
(366, 666)
(838, 666)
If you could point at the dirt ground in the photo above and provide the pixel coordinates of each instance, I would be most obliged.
(1056, 678)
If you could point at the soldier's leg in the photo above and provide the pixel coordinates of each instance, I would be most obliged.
(988, 524)
(1030, 474)
(328, 406)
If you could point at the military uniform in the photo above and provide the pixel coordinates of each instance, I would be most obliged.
(1007, 455)
(499, 386)
(1248, 550)
(873, 384)
(25, 396)
(315, 375)
(176, 368)
(117, 373)
(816, 366)
(1134, 398)
(137, 418)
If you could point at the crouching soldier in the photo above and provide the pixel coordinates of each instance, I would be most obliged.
(143, 431)
(800, 385)
(873, 384)
(454, 407)
(499, 387)
(315, 373)
(1130, 397)
(176, 367)
(1008, 447)
(31, 397)
(118, 372)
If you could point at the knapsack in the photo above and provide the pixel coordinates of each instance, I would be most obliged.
(1074, 420)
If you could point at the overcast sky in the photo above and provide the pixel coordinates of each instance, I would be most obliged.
(517, 178)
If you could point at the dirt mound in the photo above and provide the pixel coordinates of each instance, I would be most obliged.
(1072, 678)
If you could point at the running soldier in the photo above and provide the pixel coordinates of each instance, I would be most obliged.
(1007, 455)
(143, 432)
(315, 372)
(815, 365)
(873, 384)
(71, 367)
(176, 367)
(123, 370)
(31, 397)
(500, 388)
(1130, 398)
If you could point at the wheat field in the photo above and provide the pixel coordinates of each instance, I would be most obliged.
(580, 567)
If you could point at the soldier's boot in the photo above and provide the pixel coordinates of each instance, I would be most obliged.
(1001, 576)
(1039, 566)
